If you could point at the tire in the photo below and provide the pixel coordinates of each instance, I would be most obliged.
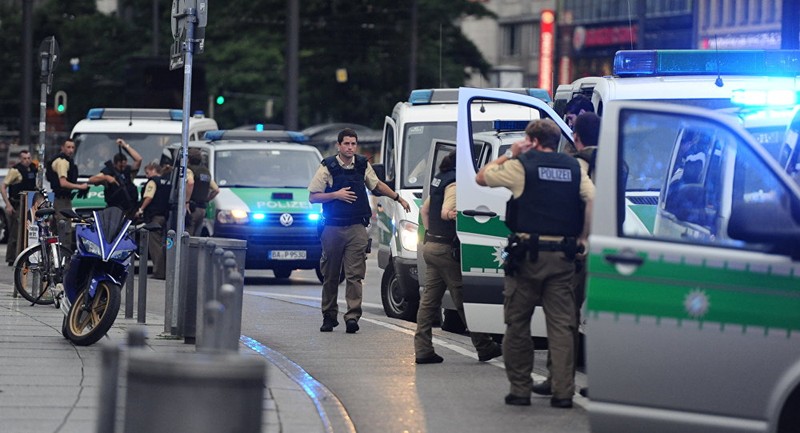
(64, 328)
(29, 277)
(282, 273)
(85, 328)
(452, 322)
(395, 302)
(322, 279)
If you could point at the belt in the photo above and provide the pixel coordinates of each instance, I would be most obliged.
(542, 238)
(551, 246)
(438, 239)
(344, 222)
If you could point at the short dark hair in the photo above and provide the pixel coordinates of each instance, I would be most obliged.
(587, 126)
(546, 131)
(578, 103)
(194, 156)
(22, 152)
(347, 132)
(448, 162)
(118, 157)
(153, 166)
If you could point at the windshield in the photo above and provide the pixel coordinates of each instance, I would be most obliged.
(94, 149)
(265, 168)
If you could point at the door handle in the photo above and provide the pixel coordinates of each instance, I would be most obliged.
(474, 213)
(625, 259)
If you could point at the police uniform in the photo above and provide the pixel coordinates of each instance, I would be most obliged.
(123, 194)
(19, 178)
(158, 189)
(344, 237)
(546, 214)
(203, 185)
(62, 166)
(443, 272)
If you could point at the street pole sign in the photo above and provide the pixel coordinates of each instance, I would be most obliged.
(48, 55)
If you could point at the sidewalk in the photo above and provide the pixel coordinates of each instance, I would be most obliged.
(49, 385)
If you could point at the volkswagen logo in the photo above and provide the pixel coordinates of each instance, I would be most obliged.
(286, 220)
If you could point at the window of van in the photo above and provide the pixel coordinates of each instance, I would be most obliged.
(94, 149)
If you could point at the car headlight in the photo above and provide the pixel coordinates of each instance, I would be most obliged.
(232, 216)
(90, 247)
(121, 255)
(408, 235)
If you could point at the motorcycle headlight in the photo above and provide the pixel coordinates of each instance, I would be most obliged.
(408, 235)
(90, 247)
(121, 255)
(233, 216)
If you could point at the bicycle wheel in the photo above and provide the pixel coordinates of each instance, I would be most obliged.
(32, 279)
(86, 326)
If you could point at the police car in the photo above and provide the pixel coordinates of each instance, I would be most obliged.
(694, 325)
(263, 179)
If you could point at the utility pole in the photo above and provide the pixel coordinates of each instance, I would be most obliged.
(412, 55)
(292, 63)
(48, 54)
(27, 75)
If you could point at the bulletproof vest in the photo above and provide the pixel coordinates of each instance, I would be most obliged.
(588, 154)
(202, 185)
(160, 203)
(337, 210)
(124, 195)
(28, 182)
(550, 204)
(438, 226)
(52, 176)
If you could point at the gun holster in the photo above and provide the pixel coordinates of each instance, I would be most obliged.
(570, 247)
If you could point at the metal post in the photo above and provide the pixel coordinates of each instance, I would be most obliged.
(141, 306)
(169, 283)
(129, 296)
(211, 340)
(109, 377)
(42, 128)
(137, 336)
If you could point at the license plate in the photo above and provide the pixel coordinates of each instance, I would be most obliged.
(287, 255)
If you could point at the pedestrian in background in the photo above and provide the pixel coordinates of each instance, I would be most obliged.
(575, 107)
(62, 173)
(155, 209)
(20, 178)
(548, 216)
(339, 184)
(117, 176)
(200, 189)
(443, 268)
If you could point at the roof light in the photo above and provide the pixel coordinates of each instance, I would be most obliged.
(259, 126)
(261, 136)
(540, 94)
(176, 114)
(95, 113)
(509, 125)
(763, 98)
(420, 96)
(632, 63)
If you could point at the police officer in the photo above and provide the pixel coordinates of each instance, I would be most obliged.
(201, 189)
(443, 271)
(154, 209)
(62, 173)
(117, 176)
(21, 177)
(548, 215)
(340, 185)
(575, 107)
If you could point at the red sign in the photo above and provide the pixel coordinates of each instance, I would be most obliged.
(546, 49)
(603, 36)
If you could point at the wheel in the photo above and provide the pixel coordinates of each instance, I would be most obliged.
(395, 303)
(282, 273)
(30, 277)
(87, 326)
(452, 322)
(64, 328)
(322, 279)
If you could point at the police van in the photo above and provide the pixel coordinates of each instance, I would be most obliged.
(789, 157)
(148, 130)
(757, 87)
(408, 134)
(693, 326)
(263, 179)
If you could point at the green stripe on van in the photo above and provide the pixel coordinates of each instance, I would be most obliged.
(646, 214)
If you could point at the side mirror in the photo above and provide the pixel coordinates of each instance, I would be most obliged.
(380, 171)
(747, 223)
(69, 213)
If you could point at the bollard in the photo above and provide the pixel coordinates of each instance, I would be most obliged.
(169, 283)
(137, 336)
(205, 287)
(109, 378)
(194, 392)
(190, 287)
(218, 269)
(129, 296)
(211, 341)
(231, 298)
(179, 296)
(141, 306)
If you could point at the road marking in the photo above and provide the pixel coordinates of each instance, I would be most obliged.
(577, 398)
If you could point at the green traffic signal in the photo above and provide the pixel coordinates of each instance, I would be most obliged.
(220, 100)
(60, 108)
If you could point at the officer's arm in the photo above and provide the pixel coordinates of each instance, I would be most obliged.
(98, 179)
(4, 193)
(424, 212)
(137, 159)
(189, 183)
(388, 192)
(325, 197)
(213, 190)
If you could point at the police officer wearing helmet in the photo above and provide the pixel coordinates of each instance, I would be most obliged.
(548, 215)
(62, 173)
(201, 189)
(340, 185)
(443, 271)
(155, 209)
(21, 177)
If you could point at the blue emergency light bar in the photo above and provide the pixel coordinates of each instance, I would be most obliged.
(261, 136)
(450, 96)
(135, 113)
(638, 63)
(509, 125)
(764, 98)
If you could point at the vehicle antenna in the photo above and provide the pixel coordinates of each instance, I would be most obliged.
(718, 82)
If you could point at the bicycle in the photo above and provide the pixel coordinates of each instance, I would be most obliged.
(40, 268)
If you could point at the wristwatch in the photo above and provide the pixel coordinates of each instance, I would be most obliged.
(509, 154)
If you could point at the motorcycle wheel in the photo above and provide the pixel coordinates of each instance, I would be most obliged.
(86, 327)
(30, 277)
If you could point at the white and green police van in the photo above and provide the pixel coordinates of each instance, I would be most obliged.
(757, 87)
(148, 130)
(408, 135)
(263, 179)
(693, 326)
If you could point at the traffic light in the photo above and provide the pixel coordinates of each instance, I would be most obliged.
(60, 103)
(220, 100)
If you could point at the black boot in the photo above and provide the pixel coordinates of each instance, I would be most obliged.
(328, 323)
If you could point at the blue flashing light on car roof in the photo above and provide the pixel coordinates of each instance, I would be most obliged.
(637, 63)
(95, 113)
(259, 126)
(509, 125)
(764, 98)
(540, 94)
(420, 96)
(175, 114)
(260, 136)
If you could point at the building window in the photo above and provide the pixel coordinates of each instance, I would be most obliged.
(511, 39)
(732, 6)
(744, 18)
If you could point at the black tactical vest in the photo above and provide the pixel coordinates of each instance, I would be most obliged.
(124, 194)
(338, 212)
(28, 182)
(202, 185)
(439, 227)
(159, 206)
(588, 154)
(550, 204)
(52, 176)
